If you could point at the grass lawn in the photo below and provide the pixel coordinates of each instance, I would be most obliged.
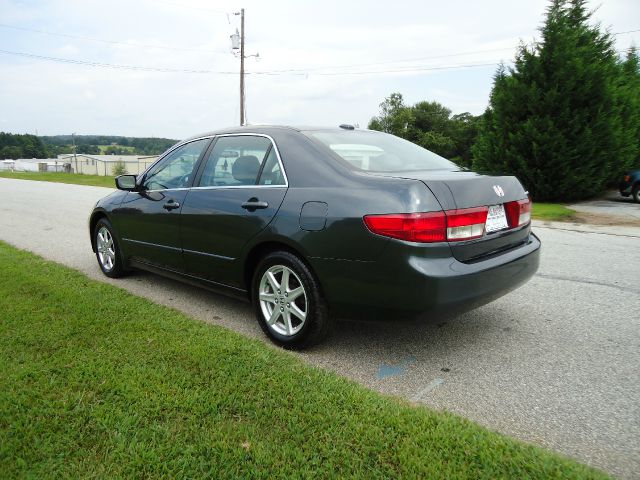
(552, 212)
(130, 150)
(96, 382)
(59, 177)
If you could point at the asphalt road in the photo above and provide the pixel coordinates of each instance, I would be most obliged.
(555, 363)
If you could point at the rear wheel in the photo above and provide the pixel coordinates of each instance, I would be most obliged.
(107, 249)
(288, 302)
(636, 193)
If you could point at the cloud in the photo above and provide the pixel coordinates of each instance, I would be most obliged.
(312, 38)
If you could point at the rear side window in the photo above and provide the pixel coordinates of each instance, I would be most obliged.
(238, 160)
(272, 173)
(381, 152)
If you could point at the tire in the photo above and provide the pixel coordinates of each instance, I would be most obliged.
(108, 251)
(291, 322)
(636, 193)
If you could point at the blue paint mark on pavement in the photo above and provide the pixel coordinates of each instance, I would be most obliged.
(385, 370)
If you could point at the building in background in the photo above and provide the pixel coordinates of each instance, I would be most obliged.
(36, 165)
(106, 165)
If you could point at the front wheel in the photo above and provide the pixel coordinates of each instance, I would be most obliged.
(107, 249)
(288, 302)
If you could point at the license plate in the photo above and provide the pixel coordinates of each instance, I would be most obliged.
(496, 219)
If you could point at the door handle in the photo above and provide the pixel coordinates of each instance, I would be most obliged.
(254, 204)
(171, 205)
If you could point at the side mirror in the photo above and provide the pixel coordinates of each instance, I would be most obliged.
(126, 182)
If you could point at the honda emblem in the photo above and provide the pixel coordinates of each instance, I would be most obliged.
(499, 191)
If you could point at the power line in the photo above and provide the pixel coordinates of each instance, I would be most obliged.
(289, 70)
(314, 69)
(111, 42)
(408, 69)
(628, 31)
(183, 70)
(112, 65)
(460, 54)
(411, 69)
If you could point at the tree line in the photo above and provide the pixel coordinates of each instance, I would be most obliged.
(21, 146)
(13, 146)
(115, 145)
(565, 118)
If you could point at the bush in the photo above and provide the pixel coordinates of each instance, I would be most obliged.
(119, 169)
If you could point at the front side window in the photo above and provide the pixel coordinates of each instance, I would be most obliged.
(175, 170)
(238, 160)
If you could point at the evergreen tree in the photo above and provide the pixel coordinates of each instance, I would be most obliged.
(554, 119)
(630, 110)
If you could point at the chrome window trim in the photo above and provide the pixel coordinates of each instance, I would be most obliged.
(216, 187)
(273, 144)
(243, 134)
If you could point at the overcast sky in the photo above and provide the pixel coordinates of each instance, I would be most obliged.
(328, 62)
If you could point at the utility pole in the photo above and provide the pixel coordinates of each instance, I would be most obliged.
(237, 43)
(242, 67)
(75, 158)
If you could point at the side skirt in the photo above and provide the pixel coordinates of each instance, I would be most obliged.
(219, 288)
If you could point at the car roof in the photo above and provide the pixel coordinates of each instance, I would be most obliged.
(266, 129)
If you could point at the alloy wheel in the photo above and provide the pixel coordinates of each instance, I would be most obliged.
(283, 300)
(106, 249)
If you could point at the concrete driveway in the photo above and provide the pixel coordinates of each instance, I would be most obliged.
(555, 363)
(611, 208)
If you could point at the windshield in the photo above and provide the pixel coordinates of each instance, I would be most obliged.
(381, 152)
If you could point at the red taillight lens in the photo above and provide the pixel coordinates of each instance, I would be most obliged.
(452, 225)
(518, 212)
(627, 178)
(413, 227)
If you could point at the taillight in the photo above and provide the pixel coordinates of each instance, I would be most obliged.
(627, 178)
(452, 225)
(413, 227)
(466, 224)
(518, 212)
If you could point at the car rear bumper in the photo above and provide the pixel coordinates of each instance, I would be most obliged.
(411, 285)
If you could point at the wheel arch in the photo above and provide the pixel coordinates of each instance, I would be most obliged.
(261, 250)
(93, 221)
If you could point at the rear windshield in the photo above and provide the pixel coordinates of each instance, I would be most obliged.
(380, 152)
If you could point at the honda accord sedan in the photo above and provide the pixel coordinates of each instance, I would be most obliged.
(313, 224)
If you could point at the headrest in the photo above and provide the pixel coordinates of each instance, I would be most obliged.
(245, 169)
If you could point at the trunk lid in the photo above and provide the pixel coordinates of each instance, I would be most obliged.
(464, 189)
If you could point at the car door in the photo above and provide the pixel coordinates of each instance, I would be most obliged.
(149, 219)
(239, 188)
